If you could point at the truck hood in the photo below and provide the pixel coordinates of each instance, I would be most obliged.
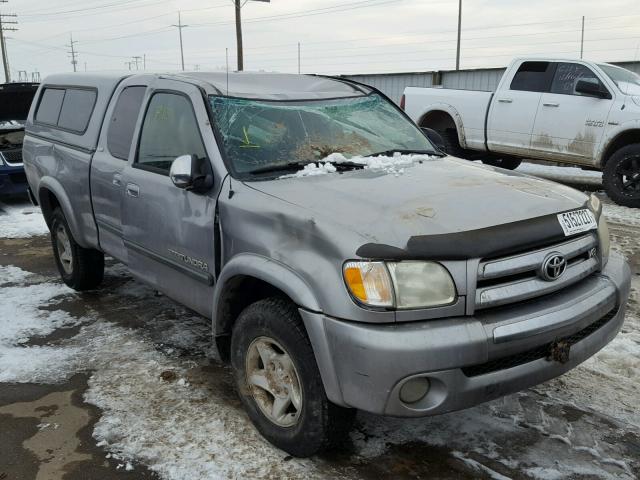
(440, 196)
(15, 101)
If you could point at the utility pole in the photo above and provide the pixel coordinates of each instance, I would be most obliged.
(3, 45)
(298, 58)
(136, 60)
(144, 61)
(128, 64)
(459, 32)
(239, 36)
(73, 52)
(238, 4)
(180, 27)
(582, 39)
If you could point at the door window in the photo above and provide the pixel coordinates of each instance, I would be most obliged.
(123, 121)
(533, 77)
(170, 129)
(567, 76)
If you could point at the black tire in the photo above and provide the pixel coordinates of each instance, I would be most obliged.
(451, 142)
(320, 424)
(509, 163)
(80, 268)
(621, 176)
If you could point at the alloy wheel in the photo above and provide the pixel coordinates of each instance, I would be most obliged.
(273, 381)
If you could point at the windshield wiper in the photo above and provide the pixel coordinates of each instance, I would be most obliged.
(280, 167)
(283, 167)
(404, 151)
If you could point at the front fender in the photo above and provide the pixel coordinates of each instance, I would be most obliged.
(611, 136)
(270, 271)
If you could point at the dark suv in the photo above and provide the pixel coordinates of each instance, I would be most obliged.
(15, 100)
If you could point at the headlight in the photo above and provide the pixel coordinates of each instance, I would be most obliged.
(603, 238)
(369, 282)
(595, 205)
(403, 285)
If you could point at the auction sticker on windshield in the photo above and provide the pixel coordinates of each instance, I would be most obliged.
(577, 221)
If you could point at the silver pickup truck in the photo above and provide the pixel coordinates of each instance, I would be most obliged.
(345, 262)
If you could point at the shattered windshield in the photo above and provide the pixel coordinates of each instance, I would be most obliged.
(259, 134)
(627, 81)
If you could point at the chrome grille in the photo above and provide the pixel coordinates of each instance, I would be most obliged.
(12, 157)
(512, 279)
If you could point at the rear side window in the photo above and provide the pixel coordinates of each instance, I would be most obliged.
(123, 121)
(533, 77)
(76, 109)
(50, 105)
(66, 108)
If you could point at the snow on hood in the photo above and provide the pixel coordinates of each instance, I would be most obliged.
(394, 164)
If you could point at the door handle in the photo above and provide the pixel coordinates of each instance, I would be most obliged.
(505, 100)
(133, 190)
(117, 180)
(550, 104)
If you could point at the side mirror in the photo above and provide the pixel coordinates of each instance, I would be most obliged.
(435, 138)
(592, 89)
(189, 172)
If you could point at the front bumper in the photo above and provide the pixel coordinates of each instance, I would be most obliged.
(13, 180)
(468, 360)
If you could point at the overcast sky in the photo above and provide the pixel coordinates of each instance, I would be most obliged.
(336, 36)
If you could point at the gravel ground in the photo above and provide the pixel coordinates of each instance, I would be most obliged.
(82, 393)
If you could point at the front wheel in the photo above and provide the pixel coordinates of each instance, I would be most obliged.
(621, 176)
(279, 383)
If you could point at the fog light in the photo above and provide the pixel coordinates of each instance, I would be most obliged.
(414, 390)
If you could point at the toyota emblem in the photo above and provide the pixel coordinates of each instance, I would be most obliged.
(553, 267)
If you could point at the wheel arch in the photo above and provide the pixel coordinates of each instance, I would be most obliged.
(622, 139)
(52, 195)
(442, 116)
(246, 279)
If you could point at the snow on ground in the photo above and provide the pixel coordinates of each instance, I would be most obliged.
(192, 425)
(561, 174)
(20, 221)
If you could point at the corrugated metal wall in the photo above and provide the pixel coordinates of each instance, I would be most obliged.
(393, 84)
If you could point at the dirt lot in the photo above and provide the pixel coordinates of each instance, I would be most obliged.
(82, 394)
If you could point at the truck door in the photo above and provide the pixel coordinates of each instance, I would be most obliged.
(168, 231)
(514, 106)
(569, 125)
(108, 164)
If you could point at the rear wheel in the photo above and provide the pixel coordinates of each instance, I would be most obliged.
(279, 383)
(80, 268)
(621, 176)
(451, 142)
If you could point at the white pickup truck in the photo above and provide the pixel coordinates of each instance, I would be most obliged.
(566, 111)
